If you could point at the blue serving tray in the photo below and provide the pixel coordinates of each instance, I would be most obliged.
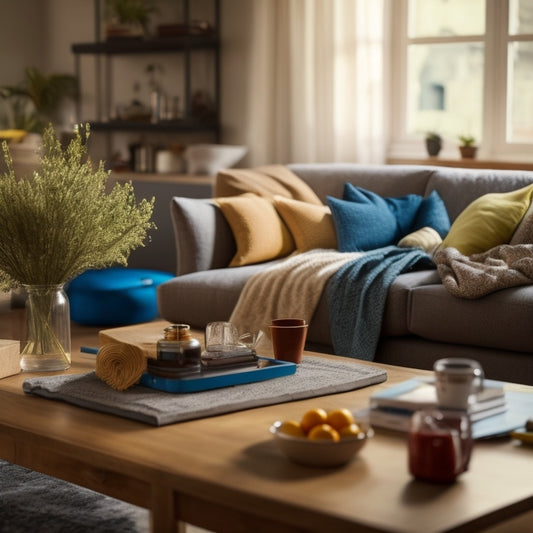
(215, 379)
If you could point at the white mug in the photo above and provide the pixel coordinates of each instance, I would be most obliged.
(456, 381)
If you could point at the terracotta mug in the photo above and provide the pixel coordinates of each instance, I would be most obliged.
(288, 338)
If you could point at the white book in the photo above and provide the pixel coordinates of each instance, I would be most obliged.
(420, 393)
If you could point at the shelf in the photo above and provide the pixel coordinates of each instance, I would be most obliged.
(147, 46)
(186, 125)
(463, 163)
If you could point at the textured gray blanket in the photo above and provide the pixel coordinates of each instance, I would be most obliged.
(480, 274)
(315, 376)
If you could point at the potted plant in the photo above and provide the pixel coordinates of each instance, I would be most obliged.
(128, 18)
(34, 102)
(467, 147)
(433, 143)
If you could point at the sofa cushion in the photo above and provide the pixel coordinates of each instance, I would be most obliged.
(488, 221)
(202, 297)
(267, 181)
(459, 187)
(436, 315)
(311, 226)
(260, 234)
(204, 239)
(328, 179)
(524, 232)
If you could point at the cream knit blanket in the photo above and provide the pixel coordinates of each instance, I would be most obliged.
(480, 274)
(291, 288)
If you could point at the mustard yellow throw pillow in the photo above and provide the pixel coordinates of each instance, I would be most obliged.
(260, 234)
(488, 221)
(311, 225)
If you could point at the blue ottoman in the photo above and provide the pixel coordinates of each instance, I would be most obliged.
(115, 296)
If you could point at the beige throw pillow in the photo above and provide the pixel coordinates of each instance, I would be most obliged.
(267, 181)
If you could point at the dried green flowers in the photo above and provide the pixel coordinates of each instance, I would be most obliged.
(61, 221)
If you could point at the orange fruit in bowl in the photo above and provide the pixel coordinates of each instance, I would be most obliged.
(350, 431)
(312, 418)
(291, 427)
(324, 432)
(340, 418)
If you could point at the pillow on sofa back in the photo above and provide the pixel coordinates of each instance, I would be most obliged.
(260, 234)
(488, 221)
(365, 221)
(432, 213)
(311, 226)
(267, 181)
(204, 239)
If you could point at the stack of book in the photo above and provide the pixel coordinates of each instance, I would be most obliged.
(392, 408)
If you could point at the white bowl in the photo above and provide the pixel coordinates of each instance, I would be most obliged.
(320, 452)
(208, 159)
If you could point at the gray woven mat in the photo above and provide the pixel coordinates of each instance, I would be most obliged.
(315, 376)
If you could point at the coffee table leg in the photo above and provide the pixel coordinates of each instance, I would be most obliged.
(163, 512)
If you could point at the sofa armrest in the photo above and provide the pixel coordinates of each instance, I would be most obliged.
(203, 237)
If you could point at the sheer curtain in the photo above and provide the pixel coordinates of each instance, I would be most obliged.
(315, 81)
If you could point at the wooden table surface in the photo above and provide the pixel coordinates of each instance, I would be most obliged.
(224, 473)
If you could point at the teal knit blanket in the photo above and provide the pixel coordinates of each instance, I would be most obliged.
(357, 293)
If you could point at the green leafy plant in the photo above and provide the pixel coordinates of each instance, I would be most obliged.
(467, 140)
(36, 99)
(131, 11)
(62, 220)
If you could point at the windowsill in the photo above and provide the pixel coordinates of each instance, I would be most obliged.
(462, 163)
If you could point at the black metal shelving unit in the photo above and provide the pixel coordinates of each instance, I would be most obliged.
(105, 50)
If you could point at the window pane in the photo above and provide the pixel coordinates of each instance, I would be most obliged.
(520, 93)
(446, 18)
(520, 17)
(445, 89)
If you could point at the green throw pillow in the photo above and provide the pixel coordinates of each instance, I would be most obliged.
(488, 221)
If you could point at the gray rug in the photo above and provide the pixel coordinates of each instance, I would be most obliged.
(315, 376)
(30, 502)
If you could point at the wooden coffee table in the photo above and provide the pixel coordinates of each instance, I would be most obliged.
(224, 473)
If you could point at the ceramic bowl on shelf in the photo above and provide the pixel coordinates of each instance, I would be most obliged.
(323, 453)
(208, 159)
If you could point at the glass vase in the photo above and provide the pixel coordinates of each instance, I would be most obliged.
(47, 346)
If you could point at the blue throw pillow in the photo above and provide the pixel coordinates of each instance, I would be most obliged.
(433, 213)
(362, 226)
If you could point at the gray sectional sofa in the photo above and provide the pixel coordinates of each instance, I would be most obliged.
(422, 320)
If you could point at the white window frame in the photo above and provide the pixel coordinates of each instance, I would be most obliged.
(493, 145)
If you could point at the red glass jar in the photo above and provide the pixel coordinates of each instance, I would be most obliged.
(440, 444)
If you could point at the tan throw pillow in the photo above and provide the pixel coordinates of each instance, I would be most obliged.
(425, 238)
(488, 221)
(311, 225)
(259, 232)
(267, 181)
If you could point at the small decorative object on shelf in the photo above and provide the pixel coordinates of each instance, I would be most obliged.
(433, 143)
(57, 223)
(467, 147)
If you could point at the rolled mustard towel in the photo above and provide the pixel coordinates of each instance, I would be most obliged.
(120, 365)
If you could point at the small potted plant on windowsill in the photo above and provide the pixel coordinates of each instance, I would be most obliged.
(433, 143)
(467, 147)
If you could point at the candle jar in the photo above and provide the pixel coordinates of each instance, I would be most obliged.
(440, 444)
(178, 351)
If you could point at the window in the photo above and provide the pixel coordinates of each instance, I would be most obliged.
(463, 67)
